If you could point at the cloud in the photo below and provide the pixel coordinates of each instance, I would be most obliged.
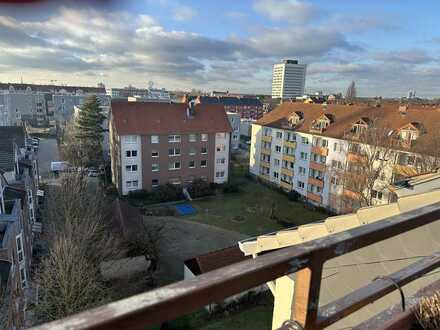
(183, 13)
(293, 11)
(409, 56)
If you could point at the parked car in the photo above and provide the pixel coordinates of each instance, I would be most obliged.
(93, 172)
(59, 166)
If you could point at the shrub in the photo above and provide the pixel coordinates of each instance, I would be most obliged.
(293, 196)
(166, 193)
(231, 188)
(138, 194)
(201, 188)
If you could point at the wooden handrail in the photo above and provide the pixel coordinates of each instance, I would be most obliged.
(183, 297)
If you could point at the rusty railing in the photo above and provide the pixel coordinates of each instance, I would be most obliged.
(306, 260)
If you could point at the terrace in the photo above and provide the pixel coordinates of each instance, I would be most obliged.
(305, 260)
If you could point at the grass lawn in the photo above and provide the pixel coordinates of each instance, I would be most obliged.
(248, 211)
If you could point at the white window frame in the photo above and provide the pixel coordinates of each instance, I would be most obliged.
(201, 150)
(189, 163)
(154, 139)
(155, 185)
(206, 163)
(20, 252)
(192, 137)
(154, 153)
(174, 154)
(129, 168)
(173, 167)
(204, 137)
(154, 168)
(174, 138)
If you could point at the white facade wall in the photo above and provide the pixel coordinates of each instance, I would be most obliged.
(302, 147)
(255, 152)
(222, 141)
(131, 143)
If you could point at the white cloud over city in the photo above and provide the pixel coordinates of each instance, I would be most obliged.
(120, 47)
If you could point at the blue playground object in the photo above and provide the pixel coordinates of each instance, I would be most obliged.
(185, 209)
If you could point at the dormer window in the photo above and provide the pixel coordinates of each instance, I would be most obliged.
(360, 126)
(296, 118)
(411, 132)
(322, 122)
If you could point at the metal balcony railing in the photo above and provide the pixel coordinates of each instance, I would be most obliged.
(306, 260)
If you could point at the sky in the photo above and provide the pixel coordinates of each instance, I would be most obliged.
(387, 47)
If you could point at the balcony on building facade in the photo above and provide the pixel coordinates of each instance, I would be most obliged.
(319, 182)
(404, 170)
(306, 260)
(290, 144)
(266, 151)
(287, 171)
(317, 166)
(286, 185)
(264, 176)
(352, 194)
(265, 163)
(289, 158)
(314, 197)
(322, 151)
(266, 138)
(356, 158)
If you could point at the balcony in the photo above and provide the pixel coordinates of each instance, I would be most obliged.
(404, 170)
(264, 176)
(356, 158)
(289, 158)
(266, 138)
(352, 194)
(290, 144)
(264, 163)
(266, 151)
(316, 182)
(306, 259)
(317, 166)
(320, 151)
(314, 197)
(287, 171)
(286, 185)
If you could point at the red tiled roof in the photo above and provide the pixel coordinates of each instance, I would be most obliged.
(164, 118)
(216, 259)
(386, 116)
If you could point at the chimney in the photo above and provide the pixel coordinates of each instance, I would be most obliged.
(403, 109)
(191, 109)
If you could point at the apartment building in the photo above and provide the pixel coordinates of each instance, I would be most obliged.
(18, 224)
(234, 120)
(248, 107)
(153, 143)
(310, 148)
(288, 79)
(39, 104)
(143, 94)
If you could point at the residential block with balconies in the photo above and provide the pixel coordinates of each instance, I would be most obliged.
(313, 148)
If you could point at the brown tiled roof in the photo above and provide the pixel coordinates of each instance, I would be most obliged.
(214, 260)
(164, 118)
(345, 116)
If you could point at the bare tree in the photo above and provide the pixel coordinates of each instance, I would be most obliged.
(427, 153)
(79, 240)
(146, 242)
(369, 157)
(350, 95)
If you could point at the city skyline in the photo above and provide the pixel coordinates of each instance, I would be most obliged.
(387, 48)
